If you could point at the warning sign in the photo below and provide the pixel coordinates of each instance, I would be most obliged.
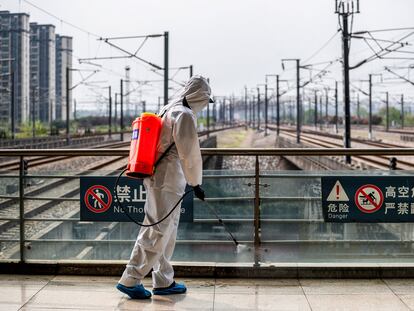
(98, 199)
(337, 193)
(369, 198)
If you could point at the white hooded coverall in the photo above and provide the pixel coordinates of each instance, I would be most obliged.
(183, 164)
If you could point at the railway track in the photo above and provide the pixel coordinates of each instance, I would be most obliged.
(42, 160)
(381, 162)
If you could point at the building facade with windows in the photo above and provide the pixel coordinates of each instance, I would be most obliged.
(14, 62)
(63, 61)
(42, 71)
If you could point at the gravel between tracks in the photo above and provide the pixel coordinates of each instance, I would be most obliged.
(240, 138)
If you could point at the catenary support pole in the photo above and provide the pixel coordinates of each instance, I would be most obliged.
(110, 112)
(298, 104)
(258, 109)
(245, 105)
(336, 107)
(347, 102)
(277, 106)
(67, 106)
(387, 112)
(121, 96)
(166, 77)
(370, 107)
(315, 119)
(402, 110)
(33, 113)
(266, 108)
(13, 104)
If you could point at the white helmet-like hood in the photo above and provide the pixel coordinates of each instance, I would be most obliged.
(197, 93)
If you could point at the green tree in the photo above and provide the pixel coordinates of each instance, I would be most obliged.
(394, 115)
(26, 130)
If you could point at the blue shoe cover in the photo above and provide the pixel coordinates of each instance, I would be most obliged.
(136, 292)
(174, 288)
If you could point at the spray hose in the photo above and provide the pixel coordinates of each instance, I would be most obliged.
(237, 244)
(132, 219)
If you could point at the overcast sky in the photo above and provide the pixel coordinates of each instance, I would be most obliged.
(233, 42)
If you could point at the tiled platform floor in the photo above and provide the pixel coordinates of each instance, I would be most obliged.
(19, 292)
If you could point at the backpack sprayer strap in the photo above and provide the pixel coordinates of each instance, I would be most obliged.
(170, 146)
(164, 154)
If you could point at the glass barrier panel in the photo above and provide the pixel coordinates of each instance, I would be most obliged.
(9, 209)
(293, 228)
(53, 230)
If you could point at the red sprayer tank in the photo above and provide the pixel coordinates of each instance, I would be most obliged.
(143, 151)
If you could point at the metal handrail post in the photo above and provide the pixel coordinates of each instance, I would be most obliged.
(21, 208)
(257, 212)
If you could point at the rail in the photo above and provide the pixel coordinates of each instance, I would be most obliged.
(220, 151)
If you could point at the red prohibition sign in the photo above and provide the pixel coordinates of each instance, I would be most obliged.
(105, 205)
(362, 194)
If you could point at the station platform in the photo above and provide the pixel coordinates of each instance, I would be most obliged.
(22, 292)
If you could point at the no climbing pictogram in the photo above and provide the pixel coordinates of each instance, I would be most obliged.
(98, 199)
(369, 198)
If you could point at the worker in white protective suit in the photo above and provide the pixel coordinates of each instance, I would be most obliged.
(182, 164)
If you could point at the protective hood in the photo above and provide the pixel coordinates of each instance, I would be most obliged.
(197, 93)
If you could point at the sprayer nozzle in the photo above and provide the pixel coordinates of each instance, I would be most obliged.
(241, 248)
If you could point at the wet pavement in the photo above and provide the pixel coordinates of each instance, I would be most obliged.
(19, 292)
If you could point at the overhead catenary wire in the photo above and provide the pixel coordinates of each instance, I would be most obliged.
(322, 47)
(61, 20)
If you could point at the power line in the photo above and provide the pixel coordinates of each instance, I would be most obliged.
(322, 47)
(61, 20)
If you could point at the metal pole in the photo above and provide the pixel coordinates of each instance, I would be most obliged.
(277, 106)
(336, 107)
(402, 110)
(67, 107)
(110, 113)
(50, 117)
(21, 210)
(208, 120)
(266, 108)
(74, 109)
(387, 112)
(223, 112)
(191, 71)
(254, 111)
(358, 108)
(326, 104)
(298, 108)
(166, 78)
(257, 204)
(245, 104)
(347, 103)
(258, 109)
(33, 113)
(316, 110)
(320, 112)
(12, 108)
(122, 109)
(370, 108)
(116, 112)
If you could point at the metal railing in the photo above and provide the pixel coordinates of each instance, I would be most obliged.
(251, 152)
